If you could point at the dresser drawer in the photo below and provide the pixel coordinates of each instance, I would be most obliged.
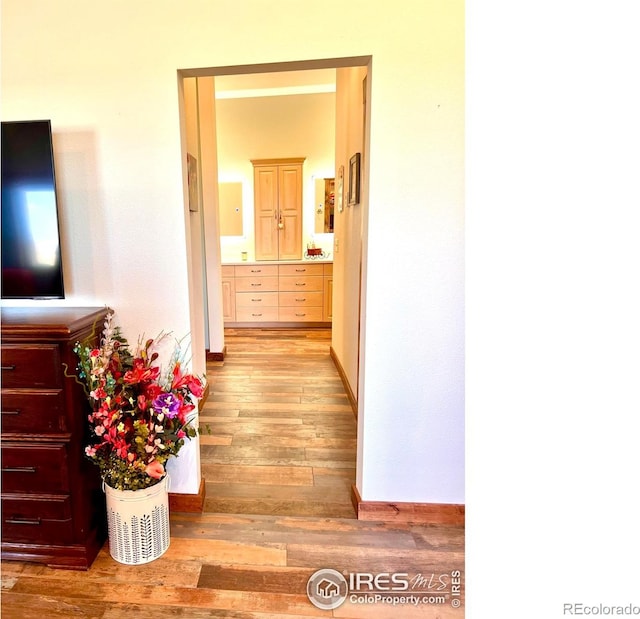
(300, 314)
(30, 366)
(37, 520)
(300, 269)
(300, 299)
(251, 284)
(256, 270)
(257, 314)
(288, 283)
(35, 468)
(28, 411)
(256, 299)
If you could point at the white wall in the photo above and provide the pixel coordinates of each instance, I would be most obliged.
(106, 75)
(275, 127)
(347, 264)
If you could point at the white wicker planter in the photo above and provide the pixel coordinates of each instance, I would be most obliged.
(138, 523)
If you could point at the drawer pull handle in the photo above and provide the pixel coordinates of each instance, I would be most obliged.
(256, 284)
(19, 469)
(301, 284)
(300, 300)
(256, 300)
(10, 412)
(301, 270)
(35, 521)
(256, 315)
(300, 314)
(7, 368)
(256, 270)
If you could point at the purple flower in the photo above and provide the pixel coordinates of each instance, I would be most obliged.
(166, 403)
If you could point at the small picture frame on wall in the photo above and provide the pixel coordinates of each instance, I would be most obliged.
(354, 180)
(192, 181)
(340, 196)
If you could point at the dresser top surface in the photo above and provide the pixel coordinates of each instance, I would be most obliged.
(23, 322)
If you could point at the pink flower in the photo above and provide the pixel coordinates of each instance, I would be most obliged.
(154, 469)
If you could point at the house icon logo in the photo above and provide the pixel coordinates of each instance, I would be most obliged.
(327, 589)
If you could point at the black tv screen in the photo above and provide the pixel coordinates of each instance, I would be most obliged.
(31, 261)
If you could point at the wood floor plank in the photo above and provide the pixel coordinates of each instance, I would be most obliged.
(279, 475)
(44, 606)
(266, 579)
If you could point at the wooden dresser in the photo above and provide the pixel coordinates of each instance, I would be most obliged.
(52, 503)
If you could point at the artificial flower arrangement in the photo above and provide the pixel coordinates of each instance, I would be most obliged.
(140, 415)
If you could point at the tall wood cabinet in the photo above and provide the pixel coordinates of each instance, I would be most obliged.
(52, 504)
(278, 208)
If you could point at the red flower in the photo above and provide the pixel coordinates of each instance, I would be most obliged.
(186, 381)
(140, 373)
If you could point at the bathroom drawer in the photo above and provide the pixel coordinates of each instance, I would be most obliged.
(261, 314)
(251, 284)
(257, 270)
(30, 366)
(300, 314)
(256, 299)
(300, 269)
(31, 411)
(34, 468)
(311, 283)
(301, 299)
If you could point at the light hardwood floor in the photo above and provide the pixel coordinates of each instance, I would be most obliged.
(251, 565)
(283, 434)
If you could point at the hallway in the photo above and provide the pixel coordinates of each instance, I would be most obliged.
(282, 432)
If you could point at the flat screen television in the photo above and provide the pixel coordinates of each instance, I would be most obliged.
(31, 260)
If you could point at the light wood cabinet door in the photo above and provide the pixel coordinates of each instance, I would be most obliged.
(290, 214)
(228, 299)
(266, 212)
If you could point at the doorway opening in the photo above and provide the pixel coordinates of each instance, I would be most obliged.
(212, 250)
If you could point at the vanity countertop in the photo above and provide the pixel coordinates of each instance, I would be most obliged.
(276, 262)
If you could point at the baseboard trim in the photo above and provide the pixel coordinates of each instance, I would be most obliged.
(216, 356)
(418, 513)
(202, 401)
(345, 383)
(193, 503)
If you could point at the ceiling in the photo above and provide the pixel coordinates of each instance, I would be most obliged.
(275, 84)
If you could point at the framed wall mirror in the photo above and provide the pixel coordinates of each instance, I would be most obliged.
(325, 194)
